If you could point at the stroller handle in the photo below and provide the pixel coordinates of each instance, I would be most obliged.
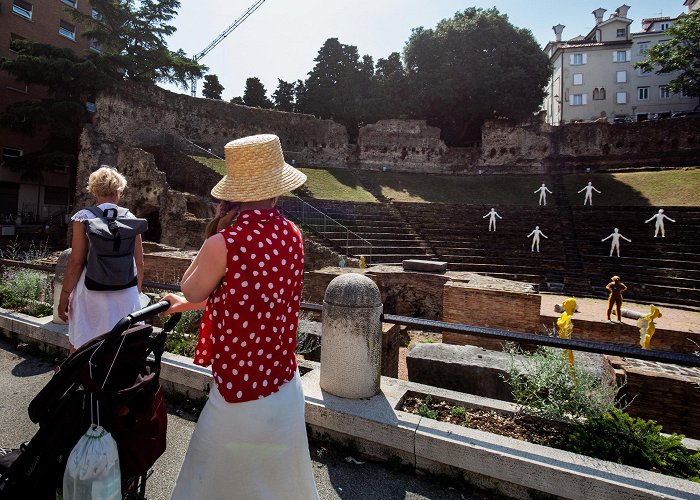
(142, 314)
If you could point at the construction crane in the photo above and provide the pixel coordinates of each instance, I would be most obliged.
(218, 39)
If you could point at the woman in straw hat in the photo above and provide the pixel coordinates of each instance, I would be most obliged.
(250, 440)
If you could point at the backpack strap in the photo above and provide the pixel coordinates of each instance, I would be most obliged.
(96, 211)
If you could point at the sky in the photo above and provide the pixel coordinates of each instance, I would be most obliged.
(282, 37)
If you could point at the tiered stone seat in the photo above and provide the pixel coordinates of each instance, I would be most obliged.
(392, 240)
(654, 269)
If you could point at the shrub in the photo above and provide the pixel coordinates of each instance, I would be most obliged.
(25, 289)
(617, 437)
(544, 384)
(183, 339)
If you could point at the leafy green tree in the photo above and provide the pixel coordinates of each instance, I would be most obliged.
(391, 93)
(255, 94)
(679, 54)
(473, 67)
(212, 88)
(283, 97)
(132, 47)
(237, 100)
(338, 85)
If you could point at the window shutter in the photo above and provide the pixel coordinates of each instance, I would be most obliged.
(571, 59)
(571, 100)
(614, 54)
(584, 99)
(628, 55)
(585, 58)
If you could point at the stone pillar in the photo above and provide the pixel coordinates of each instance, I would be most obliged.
(61, 265)
(351, 337)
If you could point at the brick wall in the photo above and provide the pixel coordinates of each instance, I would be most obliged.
(509, 310)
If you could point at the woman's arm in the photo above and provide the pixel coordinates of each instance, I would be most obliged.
(138, 257)
(178, 303)
(206, 271)
(76, 263)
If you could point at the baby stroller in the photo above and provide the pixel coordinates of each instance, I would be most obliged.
(114, 380)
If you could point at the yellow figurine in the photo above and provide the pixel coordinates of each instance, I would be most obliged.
(565, 326)
(647, 327)
(362, 262)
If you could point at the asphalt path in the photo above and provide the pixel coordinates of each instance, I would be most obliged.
(338, 475)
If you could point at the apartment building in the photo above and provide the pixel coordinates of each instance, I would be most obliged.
(593, 76)
(46, 21)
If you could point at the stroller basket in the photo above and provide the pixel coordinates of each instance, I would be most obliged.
(113, 379)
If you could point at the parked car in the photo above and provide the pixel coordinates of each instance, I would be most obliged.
(681, 114)
(623, 119)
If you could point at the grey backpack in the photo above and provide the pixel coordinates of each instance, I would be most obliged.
(110, 259)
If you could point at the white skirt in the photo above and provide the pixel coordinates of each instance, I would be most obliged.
(252, 450)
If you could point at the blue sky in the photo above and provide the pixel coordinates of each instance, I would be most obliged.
(281, 38)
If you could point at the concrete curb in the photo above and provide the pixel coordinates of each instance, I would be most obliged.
(374, 426)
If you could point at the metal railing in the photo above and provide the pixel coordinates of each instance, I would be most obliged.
(677, 358)
(311, 218)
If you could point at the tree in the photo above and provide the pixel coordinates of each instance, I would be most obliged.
(473, 67)
(212, 88)
(338, 85)
(679, 54)
(255, 94)
(390, 93)
(237, 100)
(132, 47)
(283, 97)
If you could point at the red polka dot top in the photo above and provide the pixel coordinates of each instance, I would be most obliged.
(248, 330)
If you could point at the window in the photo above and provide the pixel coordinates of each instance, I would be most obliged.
(22, 8)
(664, 93)
(664, 26)
(684, 93)
(577, 59)
(71, 3)
(621, 77)
(95, 47)
(621, 98)
(621, 33)
(14, 84)
(602, 94)
(96, 15)
(599, 94)
(578, 78)
(577, 99)
(67, 30)
(8, 153)
(620, 56)
(642, 93)
(643, 72)
(642, 48)
(13, 39)
(55, 195)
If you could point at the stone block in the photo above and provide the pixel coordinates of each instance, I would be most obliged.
(424, 265)
(468, 369)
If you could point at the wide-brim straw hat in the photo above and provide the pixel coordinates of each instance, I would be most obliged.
(256, 170)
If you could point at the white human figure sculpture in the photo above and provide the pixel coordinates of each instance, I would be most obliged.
(615, 241)
(492, 219)
(536, 233)
(543, 194)
(659, 222)
(589, 193)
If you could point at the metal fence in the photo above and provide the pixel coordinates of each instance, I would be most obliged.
(677, 358)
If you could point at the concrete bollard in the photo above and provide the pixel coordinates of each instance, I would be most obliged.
(61, 265)
(351, 337)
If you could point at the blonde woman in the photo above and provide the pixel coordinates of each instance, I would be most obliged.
(91, 313)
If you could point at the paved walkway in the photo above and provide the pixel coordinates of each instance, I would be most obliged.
(22, 376)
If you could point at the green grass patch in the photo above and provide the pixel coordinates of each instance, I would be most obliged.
(217, 165)
(336, 184)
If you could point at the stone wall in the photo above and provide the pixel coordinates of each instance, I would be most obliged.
(540, 148)
(502, 307)
(147, 116)
(410, 146)
(667, 394)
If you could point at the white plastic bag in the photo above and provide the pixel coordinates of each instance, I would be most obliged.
(92, 470)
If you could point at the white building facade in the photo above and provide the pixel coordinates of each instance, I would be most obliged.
(593, 77)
